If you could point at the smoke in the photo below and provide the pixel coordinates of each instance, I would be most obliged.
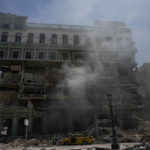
(77, 79)
(84, 86)
(84, 12)
(135, 13)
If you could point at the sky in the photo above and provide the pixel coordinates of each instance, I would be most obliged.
(134, 13)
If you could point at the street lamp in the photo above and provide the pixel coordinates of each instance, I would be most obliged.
(26, 123)
(114, 144)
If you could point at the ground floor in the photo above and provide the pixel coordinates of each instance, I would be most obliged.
(13, 119)
(62, 120)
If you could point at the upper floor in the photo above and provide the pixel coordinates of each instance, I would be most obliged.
(22, 40)
(15, 29)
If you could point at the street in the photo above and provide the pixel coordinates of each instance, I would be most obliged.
(74, 147)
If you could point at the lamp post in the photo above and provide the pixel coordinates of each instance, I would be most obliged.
(26, 123)
(114, 144)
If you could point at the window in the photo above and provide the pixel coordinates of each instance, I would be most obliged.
(16, 54)
(79, 57)
(53, 56)
(54, 39)
(1, 54)
(76, 40)
(18, 37)
(119, 39)
(30, 38)
(18, 26)
(65, 56)
(42, 38)
(6, 26)
(88, 42)
(108, 38)
(65, 39)
(28, 55)
(4, 37)
(98, 40)
(41, 55)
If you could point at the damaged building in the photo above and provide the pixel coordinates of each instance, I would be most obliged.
(143, 75)
(58, 76)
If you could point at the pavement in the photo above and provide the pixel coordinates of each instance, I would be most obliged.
(74, 147)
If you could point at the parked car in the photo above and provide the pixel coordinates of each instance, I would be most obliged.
(77, 139)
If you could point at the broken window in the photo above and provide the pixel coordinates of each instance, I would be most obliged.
(79, 57)
(42, 38)
(76, 40)
(65, 39)
(37, 125)
(16, 54)
(54, 39)
(18, 37)
(65, 56)
(1, 54)
(28, 55)
(30, 38)
(4, 36)
(41, 55)
(53, 56)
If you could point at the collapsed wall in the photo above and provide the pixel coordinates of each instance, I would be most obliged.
(58, 76)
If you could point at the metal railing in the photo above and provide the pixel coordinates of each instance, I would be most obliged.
(45, 45)
(59, 26)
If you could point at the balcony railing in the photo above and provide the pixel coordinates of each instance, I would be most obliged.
(59, 26)
(46, 45)
(32, 96)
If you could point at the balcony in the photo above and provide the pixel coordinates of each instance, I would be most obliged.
(44, 46)
(59, 26)
(32, 96)
(5, 85)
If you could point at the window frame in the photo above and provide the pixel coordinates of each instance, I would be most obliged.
(76, 40)
(18, 37)
(54, 38)
(42, 38)
(3, 36)
(43, 55)
(13, 54)
(30, 38)
(52, 58)
(28, 53)
(65, 39)
(2, 53)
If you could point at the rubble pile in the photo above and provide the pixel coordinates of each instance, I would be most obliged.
(104, 132)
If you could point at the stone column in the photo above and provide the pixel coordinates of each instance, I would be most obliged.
(8, 54)
(44, 124)
(30, 122)
(14, 126)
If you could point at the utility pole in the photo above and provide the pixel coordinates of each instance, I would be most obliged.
(114, 144)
